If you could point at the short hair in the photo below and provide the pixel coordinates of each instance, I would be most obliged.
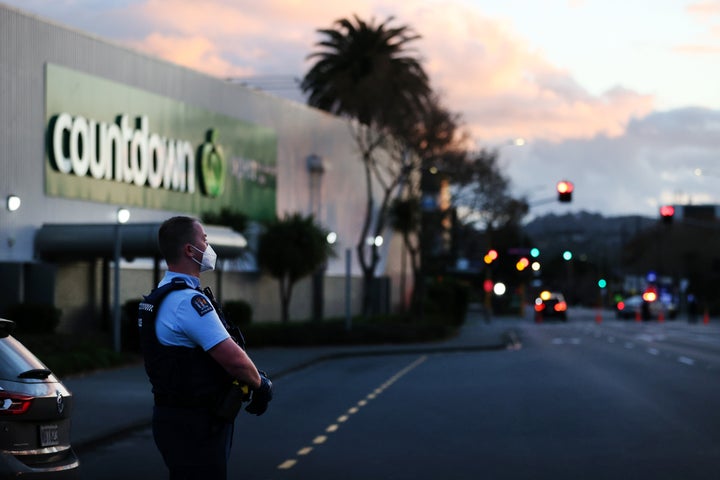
(173, 234)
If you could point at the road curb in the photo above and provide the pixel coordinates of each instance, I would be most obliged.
(507, 341)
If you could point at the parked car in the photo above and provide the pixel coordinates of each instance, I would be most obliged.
(638, 307)
(35, 411)
(551, 305)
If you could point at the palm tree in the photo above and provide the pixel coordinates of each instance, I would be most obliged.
(362, 71)
(365, 73)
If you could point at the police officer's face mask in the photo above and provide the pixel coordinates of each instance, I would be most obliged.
(208, 259)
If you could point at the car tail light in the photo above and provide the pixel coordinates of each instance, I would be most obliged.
(14, 403)
(539, 307)
(560, 307)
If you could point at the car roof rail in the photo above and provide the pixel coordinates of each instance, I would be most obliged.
(6, 327)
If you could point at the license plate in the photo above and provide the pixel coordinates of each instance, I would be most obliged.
(49, 435)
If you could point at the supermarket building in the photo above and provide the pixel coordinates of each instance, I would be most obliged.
(90, 128)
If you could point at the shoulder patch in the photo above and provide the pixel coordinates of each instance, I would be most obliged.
(201, 305)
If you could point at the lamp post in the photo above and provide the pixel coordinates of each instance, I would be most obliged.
(13, 204)
(316, 169)
(122, 216)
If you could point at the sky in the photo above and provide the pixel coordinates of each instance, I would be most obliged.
(620, 97)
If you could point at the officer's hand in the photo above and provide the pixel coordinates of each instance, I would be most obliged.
(260, 396)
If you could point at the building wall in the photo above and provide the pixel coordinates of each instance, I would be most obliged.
(28, 44)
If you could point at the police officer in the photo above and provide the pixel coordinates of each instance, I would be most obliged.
(191, 359)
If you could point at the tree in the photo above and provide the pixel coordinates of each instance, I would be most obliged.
(436, 138)
(405, 219)
(482, 194)
(364, 73)
(290, 249)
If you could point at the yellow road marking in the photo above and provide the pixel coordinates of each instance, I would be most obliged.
(320, 439)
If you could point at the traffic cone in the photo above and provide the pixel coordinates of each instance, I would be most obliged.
(706, 317)
(638, 317)
(538, 317)
(598, 317)
(661, 317)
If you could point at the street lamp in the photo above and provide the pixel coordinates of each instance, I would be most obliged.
(122, 216)
(316, 169)
(13, 203)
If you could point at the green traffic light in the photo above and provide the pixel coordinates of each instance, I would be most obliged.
(567, 255)
(602, 283)
(534, 252)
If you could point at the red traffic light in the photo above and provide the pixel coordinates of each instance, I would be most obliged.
(667, 212)
(565, 189)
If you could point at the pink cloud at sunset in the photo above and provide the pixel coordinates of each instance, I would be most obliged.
(486, 73)
(506, 89)
(190, 51)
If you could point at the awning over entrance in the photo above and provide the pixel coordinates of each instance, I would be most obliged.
(138, 240)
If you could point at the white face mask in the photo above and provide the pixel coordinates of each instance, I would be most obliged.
(208, 259)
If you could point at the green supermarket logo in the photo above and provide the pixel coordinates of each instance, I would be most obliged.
(212, 166)
(132, 154)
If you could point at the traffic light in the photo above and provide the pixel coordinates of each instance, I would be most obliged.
(565, 189)
(490, 256)
(522, 264)
(667, 212)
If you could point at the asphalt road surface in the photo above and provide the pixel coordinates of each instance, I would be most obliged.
(619, 399)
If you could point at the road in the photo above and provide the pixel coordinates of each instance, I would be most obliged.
(618, 399)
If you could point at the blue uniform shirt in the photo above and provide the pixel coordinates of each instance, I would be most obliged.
(186, 317)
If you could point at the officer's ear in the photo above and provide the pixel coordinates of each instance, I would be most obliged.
(188, 251)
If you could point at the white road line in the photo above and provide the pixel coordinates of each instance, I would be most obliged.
(653, 351)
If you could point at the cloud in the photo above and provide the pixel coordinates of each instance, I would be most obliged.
(651, 164)
(486, 72)
(506, 89)
(703, 9)
(190, 51)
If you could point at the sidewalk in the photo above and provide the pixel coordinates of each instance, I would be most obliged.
(111, 402)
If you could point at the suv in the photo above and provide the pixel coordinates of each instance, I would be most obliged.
(551, 304)
(34, 415)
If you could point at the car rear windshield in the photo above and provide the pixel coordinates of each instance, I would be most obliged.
(16, 359)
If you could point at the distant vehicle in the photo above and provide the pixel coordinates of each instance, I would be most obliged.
(551, 305)
(35, 412)
(638, 307)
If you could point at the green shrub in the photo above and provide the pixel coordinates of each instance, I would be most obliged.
(238, 312)
(446, 301)
(334, 332)
(68, 354)
(34, 317)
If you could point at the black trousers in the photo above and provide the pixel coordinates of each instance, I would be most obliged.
(193, 443)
